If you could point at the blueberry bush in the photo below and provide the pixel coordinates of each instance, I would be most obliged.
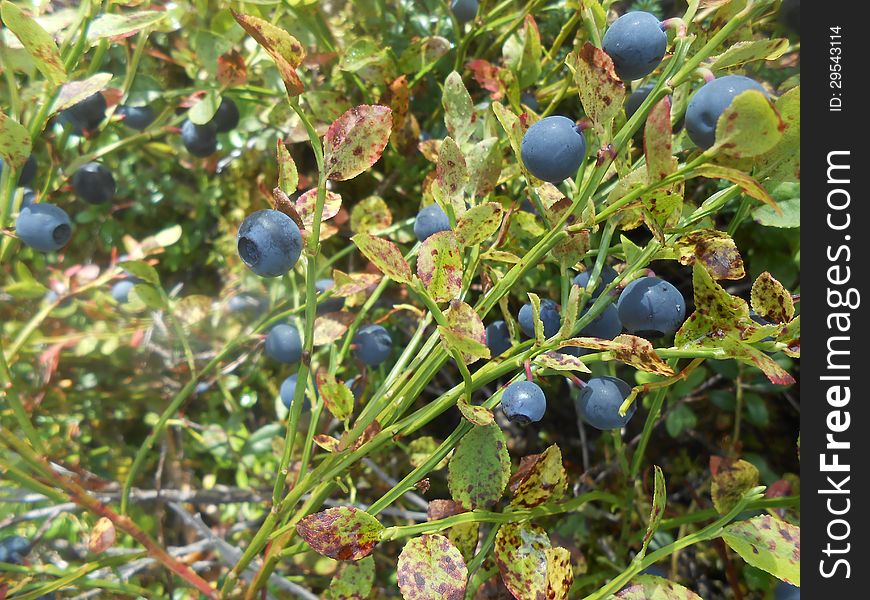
(425, 299)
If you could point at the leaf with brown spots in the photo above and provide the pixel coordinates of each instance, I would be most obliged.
(337, 397)
(462, 319)
(601, 91)
(630, 349)
(353, 283)
(480, 467)
(439, 266)
(452, 175)
(560, 362)
(327, 442)
(353, 581)
(783, 161)
(791, 336)
(744, 52)
(231, 69)
(521, 554)
(331, 326)
(554, 201)
(745, 182)
(370, 215)
(441, 509)
(560, 573)
(479, 223)
(470, 348)
(573, 248)
(731, 478)
(342, 533)
(282, 203)
(650, 587)
(102, 536)
(75, 91)
(657, 510)
(356, 140)
(657, 139)
(36, 40)
(771, 300)
(736, 348)
(430, 149)
(15, 143)
(716, 311)
(768, 544)
(288, 176)
(465, 537)
(515, 128)
(459, 114)
(474, 413)
(715, 249)
(385, 255)
(539, 478)
(484, 167)
(749, 126)
(400, 97)
(431, 568)
(284, 49)
(307, 202)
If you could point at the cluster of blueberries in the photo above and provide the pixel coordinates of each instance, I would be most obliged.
(648, 307)
(46, 227)
(554, 147)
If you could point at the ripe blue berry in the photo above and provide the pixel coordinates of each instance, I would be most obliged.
(13, 549)
(600, 401)
(523, 402)
(85, 115)
(94, 183)
(200, 140)
(284, 344)
(44, 227)
(549, 312)
(605, 326)
(28, 197)
(288, 391)
(553, 149)
(608, 274)
(330, 304)
(708, 104)
(465, 10)
(651, 307)
(529, 100)
(498, 338)
(636, 43)
(137, 117)
(269, 243)
(636, 98)
(26, 173)
(121, 290)
(373, 345)
(226, 117)
(785, 591)
(430, 220)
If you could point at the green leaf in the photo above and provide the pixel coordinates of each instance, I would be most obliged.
(522, 53)
(745, 182)
(783, 161)
(731, 478)
(479, 468)
(679, 419)
(337, 397)
(466, 345)
(284, 49)
(38, 43)
(385, 255)
(76, 91)
(362, 53)
(744, 52)
(110, 25)
(601, 91)
(439, 266)
(142, 270)
(788, 216)
(715, 249)
(570, 312)
(539, 478)
(657, 146)
(353, 581)
(28, 289)
(536, 318)
(464, 321)
(288, 176)
(431, 568)
(356, 140)
(474, 413)
(342, 533)
(479, 223)
(458, 109)
(484, 167)
(650, 587)
(452, 175)
(769, 544)
(771, 300)
(749, 126)
(203, 111)
(15, 143)
(657, 511)
(148, 296)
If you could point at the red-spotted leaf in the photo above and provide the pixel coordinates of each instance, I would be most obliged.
(331, 326)
(76, 91)
(771, 300)
(749, 126)
(284, 49)
(791, 336)
(356, 140)
(657, 511)
(554, 201)
(441, 509)
(458, 108)
(36, 40)
(385, 255)
(370, 215)
(452, 175)
(479, 223)
(463, 320)
(560, 362)
(231, 69)
(539, 478)
(439, 266)
(484, 167)
(601, 91)
(650, 587)
(515, 128)
(715, 249)
(400, 97)
(353, 581)
(15, 143)
(337, 397)
(745, 182)
(657, 141)
(479, 468)
(431, 568)
(110, 25)
(768, 544)
(288, 176)
(731, 478)
(342, 533)
(306, 203)
(783, 161)
(630, 349)
(348, 284)
(470, 348)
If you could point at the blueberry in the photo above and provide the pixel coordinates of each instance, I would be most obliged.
(137, 117)
(464, 10)
(85, 115)
(28, 197)
(786, 591)
(121, 290)
(288, 391)
(200, 140)
(708, 104)
(373, 345)
(553, 149)
(655, 570)
(636, 43)
(226, 118)
(284, 344)
(529, 100)
(44, 227)
(600, 401)
(246, 302)
(429, 221)
(498, 338)
(94, 183)
(636, 98)
(608, 274)
(26, 173)
(549, 317)
(651, 307)
(523, 402)
(605, 326)
(330, 304)
(269, 243)
(14, 549)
